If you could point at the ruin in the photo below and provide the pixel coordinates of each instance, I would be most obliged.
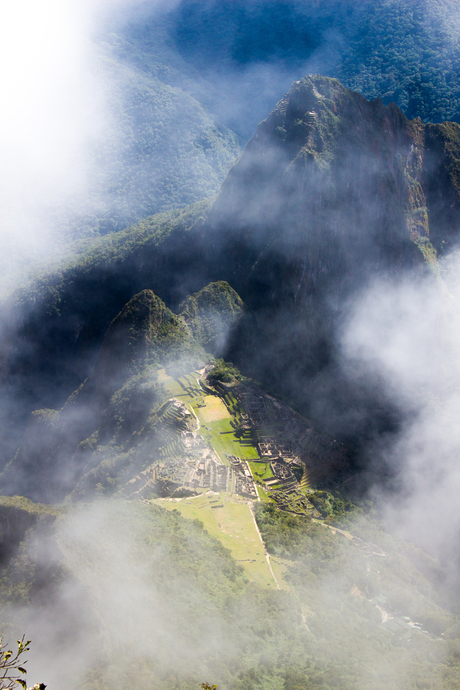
(299, 456)
(243, 480)
(286, 439)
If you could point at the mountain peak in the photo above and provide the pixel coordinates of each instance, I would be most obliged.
(144, 330)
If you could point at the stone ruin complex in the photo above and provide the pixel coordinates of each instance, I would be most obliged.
(284, 438)
(299, 456)
(243, 480)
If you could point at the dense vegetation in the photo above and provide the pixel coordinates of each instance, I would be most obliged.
(181, 85)
(406, 52)
(161, 149)
(341, 588)
(182, 586)
(192, 592)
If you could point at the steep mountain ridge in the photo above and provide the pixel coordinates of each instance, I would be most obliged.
(331, 192)
(121, 404)
(143, 332)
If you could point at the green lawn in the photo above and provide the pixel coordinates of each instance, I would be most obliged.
(222, 438)
(229, 519)
(261, 470)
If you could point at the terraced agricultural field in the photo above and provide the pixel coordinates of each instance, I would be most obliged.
(213, 415)
(184, 388)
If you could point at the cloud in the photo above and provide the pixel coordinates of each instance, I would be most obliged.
(406, 331)
(53, 108)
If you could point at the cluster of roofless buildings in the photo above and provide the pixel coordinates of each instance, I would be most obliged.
(299, 456)
(288, 441)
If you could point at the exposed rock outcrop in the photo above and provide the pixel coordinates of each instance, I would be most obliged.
(330, 193)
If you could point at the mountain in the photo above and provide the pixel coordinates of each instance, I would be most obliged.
(118, 417)
(211, 314)
(179, 86)
(331, 192)
(205, 530)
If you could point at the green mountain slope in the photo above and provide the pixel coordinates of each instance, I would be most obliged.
(331, 191)
(139, 594)
(161, 148)
(406, 52)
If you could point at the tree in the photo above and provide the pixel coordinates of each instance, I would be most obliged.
(12, 671)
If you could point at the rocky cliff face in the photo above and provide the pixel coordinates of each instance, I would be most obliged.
(347, 182)
(331, 192)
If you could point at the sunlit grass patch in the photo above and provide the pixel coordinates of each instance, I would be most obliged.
(213, 411)
(229, 519)
(222, 437)
(261, 470)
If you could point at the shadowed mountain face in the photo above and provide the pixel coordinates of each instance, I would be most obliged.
(115, 408)
(331, 192)
(329, 170)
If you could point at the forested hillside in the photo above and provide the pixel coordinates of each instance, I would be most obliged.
(180, 88)
(229, 440)
(139, 595)
(406, 52)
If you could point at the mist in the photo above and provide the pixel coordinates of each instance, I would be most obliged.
(65, 134)
(130, 591)
(406, 332)
(114, 601)
(53, 111)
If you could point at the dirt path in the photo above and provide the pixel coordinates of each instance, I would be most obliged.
(368, 548)
(335, 529)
